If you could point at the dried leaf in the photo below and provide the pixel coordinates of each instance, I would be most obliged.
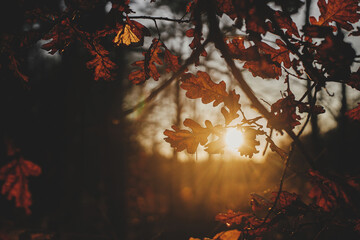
(16, 186)
(131, 32)
(147, 66)
(184, 139)
(343, 12)
(201, 86)
(171, 61)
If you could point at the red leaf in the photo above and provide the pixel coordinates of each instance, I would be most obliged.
(326, 192)
(16, 186)
(343, 12)
(354, 113)
(285, 22)
(232, 217)
(284, 112)
(285, 198)
(264, 68)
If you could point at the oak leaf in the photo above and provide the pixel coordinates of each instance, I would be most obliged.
(284, 112)
(232, 106)
(344, 12)
(102, 66)
(250, 134)
(131, 32)
(201, 86)
(171, 61)
(147, 66)
(184, 139)
(15, 175)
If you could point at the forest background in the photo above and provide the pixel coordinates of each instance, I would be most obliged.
(105, 171)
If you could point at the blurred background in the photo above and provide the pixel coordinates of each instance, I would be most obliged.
(110, 176)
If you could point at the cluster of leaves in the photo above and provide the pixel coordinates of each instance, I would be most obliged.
(287, 213)
(316, 53)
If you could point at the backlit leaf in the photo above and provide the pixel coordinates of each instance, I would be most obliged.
(201, 86)
(129, 33)
(15, 175)
(343, 12)
(184, 139)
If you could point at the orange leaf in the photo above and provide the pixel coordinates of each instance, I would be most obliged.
(130, 32)
(201, 86)
(148, 68)
(102, 67)
(343, 12)
(16, 186)
(171, 61)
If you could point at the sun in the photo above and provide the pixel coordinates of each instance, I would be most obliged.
(234, 138)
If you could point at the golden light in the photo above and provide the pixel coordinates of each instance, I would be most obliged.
(234, 138)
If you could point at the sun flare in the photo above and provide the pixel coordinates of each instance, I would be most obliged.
(234, 138)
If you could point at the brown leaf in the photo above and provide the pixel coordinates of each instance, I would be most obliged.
(201, 86)
(232, 106)
(171, 61)
(184, 139)
(249, 148)
(343, 12)
(147, 66)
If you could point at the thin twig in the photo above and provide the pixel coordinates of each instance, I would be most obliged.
(161, 18)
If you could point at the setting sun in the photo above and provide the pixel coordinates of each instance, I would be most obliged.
(234, 138)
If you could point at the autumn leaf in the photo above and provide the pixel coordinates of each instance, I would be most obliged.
(233, 218)
(344, 12)
(60, 36)
(171, 61)
(284, 112)
(285, 22)
(335, 56)
(264, 68)
(15, 175)
(285, 198)
(147, 66)
(102, 65)
(238, 50)
(184, 139)
(354, 113)
(129, 33)
(201, 86)
(232, 106)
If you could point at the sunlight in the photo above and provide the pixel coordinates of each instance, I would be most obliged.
(234, 138)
